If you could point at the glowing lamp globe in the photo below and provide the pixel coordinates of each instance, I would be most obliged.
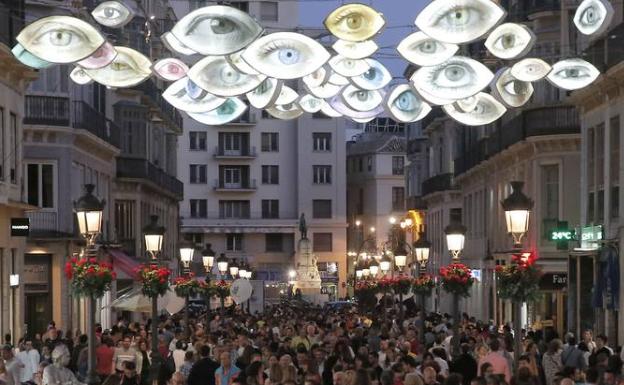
(517, 208)
(153, 234)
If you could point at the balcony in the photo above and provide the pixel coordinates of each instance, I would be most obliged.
(154, 94)
(143, 169)
(438, 183)
(246, 153)
(542, 121)
(87, 118)
(248, 185)
(47, 110)
(42, 221)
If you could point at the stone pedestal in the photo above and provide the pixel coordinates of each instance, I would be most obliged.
(308, 279)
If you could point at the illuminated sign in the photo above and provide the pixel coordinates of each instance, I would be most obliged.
(561, 235)
(476, 274)
(20, 227)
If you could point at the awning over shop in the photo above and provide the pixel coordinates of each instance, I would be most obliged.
(123, 263)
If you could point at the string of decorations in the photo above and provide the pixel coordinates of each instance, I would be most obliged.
(223, 60)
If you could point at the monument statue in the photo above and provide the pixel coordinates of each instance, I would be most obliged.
(303, 228)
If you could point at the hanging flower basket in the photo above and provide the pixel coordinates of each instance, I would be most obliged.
(186, 285)
(365, 291)
(89, 278)
(401, 284)
(423, 284)
(153, 279)
(456, 278)
(518, 281)
(221, 289)
(385, 283)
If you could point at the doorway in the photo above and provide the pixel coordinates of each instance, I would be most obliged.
(38, 313)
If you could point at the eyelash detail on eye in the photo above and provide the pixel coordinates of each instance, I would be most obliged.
(57, 27)
(199, 19)
(276, 45)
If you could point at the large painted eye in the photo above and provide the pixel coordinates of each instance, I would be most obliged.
(510, 41)
(241, 65)
(329, 111)
(170, 69)
(317, 78)
(310, 104)
(348, 67)
(355, 50)
(593, 17)
(530, 70)
(266, 93)
(572, 74)
(324, 91)
(420, 49)
(487, 110)
(175, 46)
(354, 22)
(466, 105)
(231, 109)
(375, 78)
(60, 39)
(112, 14)
(404, 105)
(511, 91)
(286, 55)
(79, 76)
(437, 101)
(460, 21)
(337, 104)
(285, 111)
(361, 100)
(103, 56)
(215, 75)
(28, 58)
(186, 96)
(128, 69)
(216, 30)
(458, 78)
(287, 96)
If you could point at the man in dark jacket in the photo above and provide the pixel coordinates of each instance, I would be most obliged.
(203, 371)
(465, 364)
(572, 356)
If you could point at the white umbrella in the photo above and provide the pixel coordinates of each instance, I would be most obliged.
(134, 300)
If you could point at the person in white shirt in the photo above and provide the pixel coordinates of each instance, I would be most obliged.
(29, 358)
(13, 366)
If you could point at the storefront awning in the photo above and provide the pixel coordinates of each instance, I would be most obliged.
(122, 263)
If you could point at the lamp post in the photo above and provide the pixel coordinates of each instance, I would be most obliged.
(385, 265)
(89, 212)
(222, 265)
(517, 208)
(208, 258)
(455, 237)
(233, 269)
(153, 234)
(422, 248)
(186, 257)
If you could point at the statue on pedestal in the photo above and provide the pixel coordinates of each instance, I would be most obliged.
(303, 228)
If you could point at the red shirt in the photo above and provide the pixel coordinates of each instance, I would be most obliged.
(104, 359)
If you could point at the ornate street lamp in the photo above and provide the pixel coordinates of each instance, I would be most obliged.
(242, 270)
(222, 264)
(374, 267)
(517, 208)
(422, 248)
(208, 258)
(385, 264)
(359, 270)
(186, 255)
(455, 237)
(89, 212)
(153, 234)
(400, 257)
(233, 269)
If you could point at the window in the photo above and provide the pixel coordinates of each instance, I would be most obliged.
(234, 209)
(360, 168)
(199, 208)
(268, 11)
(270, 141)
(274, 242)
(234, 242)
(599, 154)
(360, 203)
(322, 208)
(615, 202)
(231, 177)
(369, 163)
(322, 141)
(40, 185)
(550, 183)
(591, 211)
(398, 198)
(600, 206)
(14, 148)
(321, 174)
(198, 173)
(233, 143)
(197, 141)
(270, 208)
(124, 219)
(398, 164)
(270, 174)
(322, 242)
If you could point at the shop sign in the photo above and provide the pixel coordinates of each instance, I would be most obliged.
(554, 281)
(589, 237)
(20, 227)
(36, 274)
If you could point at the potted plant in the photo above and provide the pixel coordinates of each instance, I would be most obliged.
(154, 279)
(423, 284)
(518, 281)
(186, 285)
(456, 278)
(89, 277)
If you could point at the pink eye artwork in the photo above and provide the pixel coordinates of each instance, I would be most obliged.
(170, 69)
(102, 57)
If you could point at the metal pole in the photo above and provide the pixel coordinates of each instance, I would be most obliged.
(186, 317)
(455, 340)
(517, 332)
(92, 377)
(156, 359)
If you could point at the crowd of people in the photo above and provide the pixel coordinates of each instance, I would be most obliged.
(293, 344)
